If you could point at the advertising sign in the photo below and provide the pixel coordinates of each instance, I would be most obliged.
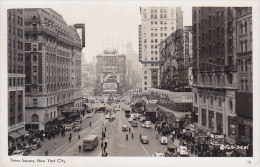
(109, 86)
(217, 139)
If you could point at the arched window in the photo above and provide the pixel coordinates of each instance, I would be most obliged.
(51, 116)
(35, 118)
(54, 114)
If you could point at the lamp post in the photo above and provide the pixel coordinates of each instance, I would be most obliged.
(102, 135)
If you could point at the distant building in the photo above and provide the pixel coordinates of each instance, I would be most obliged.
(156, 24)
(16, 75)
(110, 72)
(52, 67)
(222, 72)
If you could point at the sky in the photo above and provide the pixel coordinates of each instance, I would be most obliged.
(117, 22)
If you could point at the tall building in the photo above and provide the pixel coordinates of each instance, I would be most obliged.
(188, 52)
(16, 75)
(133, 64)
(156, 24)
(110, 72)
(222, 71)
(52, 67)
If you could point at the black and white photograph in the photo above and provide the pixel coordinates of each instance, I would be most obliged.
(111, 79)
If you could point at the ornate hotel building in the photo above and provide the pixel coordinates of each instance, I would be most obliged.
(222, 71)
(52, 67)
(157, 23)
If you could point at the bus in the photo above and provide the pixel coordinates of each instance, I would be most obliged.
(90, 142)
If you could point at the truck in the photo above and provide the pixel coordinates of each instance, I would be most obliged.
(127, 113)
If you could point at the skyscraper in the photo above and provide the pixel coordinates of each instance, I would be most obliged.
(156, 24)
(16, 75)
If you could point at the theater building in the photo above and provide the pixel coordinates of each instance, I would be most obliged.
(111, 72)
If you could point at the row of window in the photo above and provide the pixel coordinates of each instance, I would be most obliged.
(19, 31)
(161, 22)
(15, 81)
(17, 18)
(15, 44)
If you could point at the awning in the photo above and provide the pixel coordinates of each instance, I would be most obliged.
(15, 135)
(23, 132)
(61, 118)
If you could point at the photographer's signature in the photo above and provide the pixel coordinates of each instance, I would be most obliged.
(233, 147)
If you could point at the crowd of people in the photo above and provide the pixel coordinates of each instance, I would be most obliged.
(197, 143)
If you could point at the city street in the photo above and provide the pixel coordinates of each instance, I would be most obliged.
(116, 138)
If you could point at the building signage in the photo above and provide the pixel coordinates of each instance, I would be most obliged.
(110, 69)
(217, 140)
(109, 86)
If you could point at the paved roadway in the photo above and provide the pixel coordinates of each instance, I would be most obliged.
(117, 144)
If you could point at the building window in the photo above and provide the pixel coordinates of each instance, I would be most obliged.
(145, 88)
(34, 47)
(34, 58)
(34, 102)
(204, 99)
(211, 100)
(34, 68)
(35, 118)
(145, 83)
(145, 72)
(145, 77)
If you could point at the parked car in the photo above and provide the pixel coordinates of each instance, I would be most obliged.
(89, 115)
(183, 151)
(130, 120)
(158, 154)
(27, 150)
(171, 151)
(144, 140)
(113, 116)
(107, 116)
(18, 153)
(77, 128)
(134, 124)
(142, 119)
(68, 127)
(164, 140)
(124, 128)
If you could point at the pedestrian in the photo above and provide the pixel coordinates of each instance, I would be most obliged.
(140, 135)
(46, 153)
(126, 136)
(129, 129)
(90, 124)
(70, 135)
(105, 129)
(78, 136)
(69, 139)
(79, 148)
(132, 135)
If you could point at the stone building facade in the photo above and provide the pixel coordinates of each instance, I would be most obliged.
(222, 67)
(52, 68)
